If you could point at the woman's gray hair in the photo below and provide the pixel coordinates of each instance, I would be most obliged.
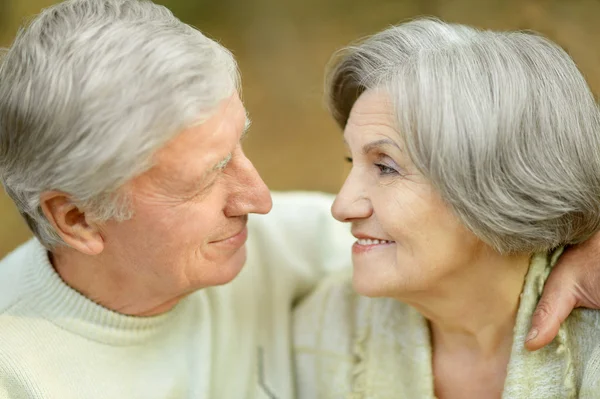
(89, 91)
(502, 124)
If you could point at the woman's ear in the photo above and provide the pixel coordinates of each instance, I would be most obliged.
(71, 223)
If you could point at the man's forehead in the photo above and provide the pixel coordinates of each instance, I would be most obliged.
(199, 149)
(224, 125)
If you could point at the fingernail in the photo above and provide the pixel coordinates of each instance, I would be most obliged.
(532, 334)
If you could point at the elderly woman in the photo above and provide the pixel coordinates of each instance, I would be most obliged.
(475, 157)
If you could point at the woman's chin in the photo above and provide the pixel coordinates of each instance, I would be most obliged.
(368, 285)
(381, 282)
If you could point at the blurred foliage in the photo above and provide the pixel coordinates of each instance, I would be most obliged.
(3, 11)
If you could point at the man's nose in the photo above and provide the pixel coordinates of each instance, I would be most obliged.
(250, 193)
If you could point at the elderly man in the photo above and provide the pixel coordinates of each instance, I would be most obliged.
(120, 132)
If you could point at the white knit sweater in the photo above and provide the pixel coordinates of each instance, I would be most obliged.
(348, 346)
(224, 342)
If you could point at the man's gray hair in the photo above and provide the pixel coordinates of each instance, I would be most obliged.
(502, 124)
(89, 91)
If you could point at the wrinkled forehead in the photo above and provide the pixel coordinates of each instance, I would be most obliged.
(226, 124)
(197, 149)
(373, 105)
(372, 112)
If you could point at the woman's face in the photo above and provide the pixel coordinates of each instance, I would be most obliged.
(408, 239)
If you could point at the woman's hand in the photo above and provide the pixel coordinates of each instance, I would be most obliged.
(574, 282)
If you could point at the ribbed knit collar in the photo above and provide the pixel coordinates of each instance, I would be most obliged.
(48, 296)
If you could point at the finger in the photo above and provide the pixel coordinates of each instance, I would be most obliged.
(554, 307)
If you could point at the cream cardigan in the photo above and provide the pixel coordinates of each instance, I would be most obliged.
(348, 346)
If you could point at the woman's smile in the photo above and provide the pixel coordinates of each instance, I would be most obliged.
(365, 245)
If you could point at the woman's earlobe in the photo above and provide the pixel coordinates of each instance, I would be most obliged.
(71, 223)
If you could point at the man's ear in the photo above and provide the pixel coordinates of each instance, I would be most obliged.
(71, 223)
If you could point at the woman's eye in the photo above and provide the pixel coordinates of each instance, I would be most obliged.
(385, 170)
(348, 159)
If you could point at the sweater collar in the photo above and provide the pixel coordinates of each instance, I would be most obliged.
(50, 297)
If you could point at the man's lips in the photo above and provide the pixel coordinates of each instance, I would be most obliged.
(236, 238)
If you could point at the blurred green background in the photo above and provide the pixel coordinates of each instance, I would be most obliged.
(282, 47)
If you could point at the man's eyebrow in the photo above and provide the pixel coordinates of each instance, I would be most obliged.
(367, 148)
(246, 128)
(222, 163)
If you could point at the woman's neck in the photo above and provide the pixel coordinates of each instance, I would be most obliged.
(474, 310)
(471, 317)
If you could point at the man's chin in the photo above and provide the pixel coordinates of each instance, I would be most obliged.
(232, 267)
(218, 271)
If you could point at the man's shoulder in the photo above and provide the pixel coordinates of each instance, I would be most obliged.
(296, 209)
(16, 327)
(331, 310)
(300, 226)
(299, 239)
(323, 346)
(12, 273)
(335, 290)
(301, 197)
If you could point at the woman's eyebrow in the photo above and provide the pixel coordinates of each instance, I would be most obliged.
(367, 148)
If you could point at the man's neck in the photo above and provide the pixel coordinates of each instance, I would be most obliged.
(474, 311)
(122, 290)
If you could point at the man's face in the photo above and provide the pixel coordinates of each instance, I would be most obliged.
(190, 210)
